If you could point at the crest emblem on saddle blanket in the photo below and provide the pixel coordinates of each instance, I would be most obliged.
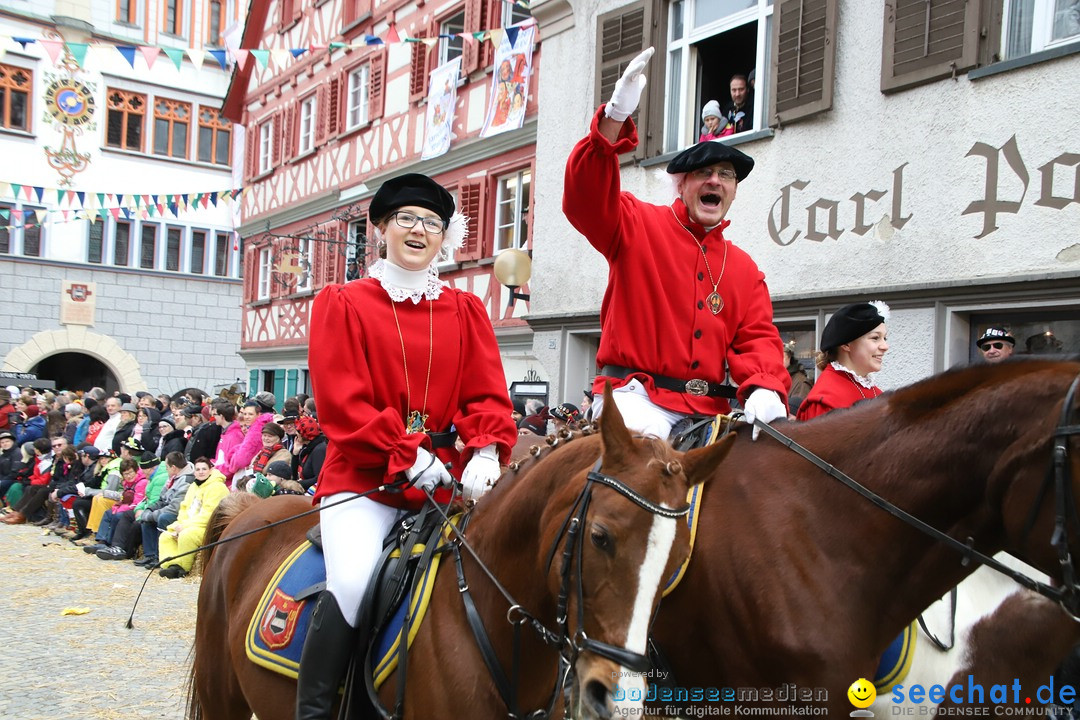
(279, 621)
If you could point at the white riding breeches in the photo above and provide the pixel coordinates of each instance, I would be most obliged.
(353, 534)
(639, 413)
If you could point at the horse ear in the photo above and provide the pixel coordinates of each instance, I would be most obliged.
(699, 464)
(613, 430)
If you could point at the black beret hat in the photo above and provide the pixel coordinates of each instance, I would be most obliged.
(995, 333)
(411, 189)
(708, 153)
(281, 469)
(849, 323)
(565, 412)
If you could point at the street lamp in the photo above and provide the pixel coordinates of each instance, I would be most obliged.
(513, 268)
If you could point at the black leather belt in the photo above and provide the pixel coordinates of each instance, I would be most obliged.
(442, 439)
(695, 387)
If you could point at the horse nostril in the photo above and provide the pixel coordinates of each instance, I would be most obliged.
(596, 696)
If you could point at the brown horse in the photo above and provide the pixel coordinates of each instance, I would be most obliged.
(626, 552)
(797, 579)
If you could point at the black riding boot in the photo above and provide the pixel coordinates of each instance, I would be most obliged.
(327, 650)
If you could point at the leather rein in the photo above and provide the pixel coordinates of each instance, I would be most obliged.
(569, 645)
(1058, 476)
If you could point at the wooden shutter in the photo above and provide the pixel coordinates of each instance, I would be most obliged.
(377, 80)
(621, 35)
(803, 59)
(290, 131)
(470, 57)
(418, 76)
(928, 40)
(251, 138)
(471, 199)
(250, 273)
(491, 17)
(322, 114)
(276, 131)
(333, 106)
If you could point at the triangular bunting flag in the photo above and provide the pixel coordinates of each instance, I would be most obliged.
(40, 191)
(66, 214)
(197, 57)
(78, 51)
(392, 34)
(59, 197)
(156, 199)
(160, 208)
(82, 198)
(213, 198)
(71, 198)
(138, 200)
(5, 189)
(103, 213)
(150, 210)
(218, 55)
(496, 36)
(120, 200)
(175, 54)
(512, 35)
(16, 188)
(115, 213)
(338, 45)
(128, 53)
(150, 54)
(262, 57)
(24, 41)
(316, 48)
(4, 213)
(480, 35)
(52, 48)
(16, 215)
(297, 52)
(205, 199)
(241, 56)
(101, 200)
(430, 42)
(282, 57)
(372, 40)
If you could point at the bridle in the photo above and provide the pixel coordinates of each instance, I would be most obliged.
(1058, 475)
(569, 645)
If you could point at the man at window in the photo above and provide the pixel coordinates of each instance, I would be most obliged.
(996, 344)
(683, 306)
(739, 113)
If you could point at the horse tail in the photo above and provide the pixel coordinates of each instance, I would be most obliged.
(224, 513)
(193, 707)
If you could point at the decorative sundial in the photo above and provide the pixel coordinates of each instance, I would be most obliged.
(69, 105)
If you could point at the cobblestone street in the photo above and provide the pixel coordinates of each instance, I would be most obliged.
(89, 666)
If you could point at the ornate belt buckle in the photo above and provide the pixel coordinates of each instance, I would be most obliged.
(697, 387)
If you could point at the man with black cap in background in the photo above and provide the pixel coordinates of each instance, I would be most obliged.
(996, 344)
(683, 306)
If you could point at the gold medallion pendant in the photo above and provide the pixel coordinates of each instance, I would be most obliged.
(716, 303)
(416, 422)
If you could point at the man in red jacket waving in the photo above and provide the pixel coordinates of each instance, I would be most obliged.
(684, 306)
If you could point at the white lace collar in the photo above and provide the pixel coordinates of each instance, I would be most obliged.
(401, 284)
(866, 382)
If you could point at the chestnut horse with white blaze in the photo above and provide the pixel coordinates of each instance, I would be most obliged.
(628, 494)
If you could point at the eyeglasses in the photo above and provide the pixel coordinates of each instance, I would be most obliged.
(408, 221)
(722, 173)
(994, 345)
(58, 446)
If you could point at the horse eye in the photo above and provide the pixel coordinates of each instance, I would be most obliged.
(600, 539)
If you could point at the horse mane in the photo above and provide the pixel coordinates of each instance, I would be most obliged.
(933, 394)
(231, 505)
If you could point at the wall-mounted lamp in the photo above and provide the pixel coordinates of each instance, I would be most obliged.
(513, 268)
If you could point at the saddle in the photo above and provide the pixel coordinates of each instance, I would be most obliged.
(394, 605)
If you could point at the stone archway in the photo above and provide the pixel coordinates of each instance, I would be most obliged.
(77, 339)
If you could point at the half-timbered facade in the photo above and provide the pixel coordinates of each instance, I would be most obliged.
(329, 124)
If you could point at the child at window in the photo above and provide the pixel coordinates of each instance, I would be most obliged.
(714, 126)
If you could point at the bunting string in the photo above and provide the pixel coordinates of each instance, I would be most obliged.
(278, 57)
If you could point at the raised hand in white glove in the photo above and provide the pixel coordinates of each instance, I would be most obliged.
(764, 405)
(428, 472)
(480, 473)
(627, 93)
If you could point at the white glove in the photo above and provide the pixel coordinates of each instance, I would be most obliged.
(627, 93)
(481, 473)
(428, 472)
(764, 405)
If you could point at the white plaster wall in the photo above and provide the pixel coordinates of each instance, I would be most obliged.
(853, 148)
(183, 331)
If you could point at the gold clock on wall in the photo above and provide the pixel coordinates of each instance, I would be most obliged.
(69, 102)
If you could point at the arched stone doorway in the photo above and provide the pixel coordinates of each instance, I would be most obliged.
(76, 340)
(77, 371)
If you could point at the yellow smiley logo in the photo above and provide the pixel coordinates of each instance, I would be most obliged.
(861, 693)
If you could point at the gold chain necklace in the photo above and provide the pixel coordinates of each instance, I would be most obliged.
(714, 301)
(416, 421)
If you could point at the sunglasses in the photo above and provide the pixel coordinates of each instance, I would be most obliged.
(994, 345)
